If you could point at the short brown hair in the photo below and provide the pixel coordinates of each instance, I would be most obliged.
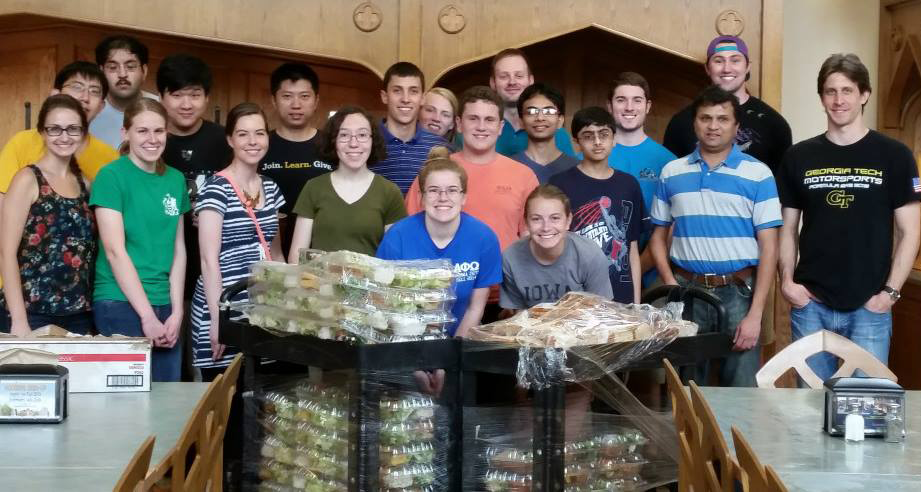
(849, 65)
(506, 53)
(479, 93)
(331, 133)
(439, 159)
(141, 105)
(548, 192)
(630, 78)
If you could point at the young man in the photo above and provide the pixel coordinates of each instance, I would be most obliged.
(510, 75)
(293, 158)
(849, 185)
(763, 133)
(496, 185)
(635, 153)
(724, 207)
(194, 146)
(408, 144)
(123, 60)
(541, 109)
(607, 205)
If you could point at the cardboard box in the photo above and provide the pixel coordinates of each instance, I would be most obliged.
(96, 364)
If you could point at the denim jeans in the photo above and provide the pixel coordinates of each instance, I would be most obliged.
(118, 317)
(738, 368)
(79, 323)
(870, 330)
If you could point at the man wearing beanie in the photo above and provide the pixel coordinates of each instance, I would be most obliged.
(763, 133)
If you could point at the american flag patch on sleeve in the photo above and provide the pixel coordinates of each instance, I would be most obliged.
(916, 184)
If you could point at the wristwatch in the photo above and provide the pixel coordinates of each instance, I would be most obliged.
(894, 294)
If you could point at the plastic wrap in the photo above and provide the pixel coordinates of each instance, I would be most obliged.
(311, 436)
(352, 297)
(601, 452)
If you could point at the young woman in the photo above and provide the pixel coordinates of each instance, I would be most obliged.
(139, 205)
(437, 113)
(237, 226)
(49, 232)
(351, 207)
(443, 231)
(550, 262)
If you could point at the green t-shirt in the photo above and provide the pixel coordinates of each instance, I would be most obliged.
(356, 227)
(151, 206)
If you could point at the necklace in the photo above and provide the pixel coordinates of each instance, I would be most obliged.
(251, 200)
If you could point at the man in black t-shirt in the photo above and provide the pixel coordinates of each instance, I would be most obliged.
(194, 146)
(293, 158)
(853, 188)
(763, 133)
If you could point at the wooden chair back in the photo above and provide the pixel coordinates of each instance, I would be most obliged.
(713, 447)
(688, 427)
(134, 473)
(228, 390)
(774, 483)
(188, 465)
(749, 462)
(794, 356)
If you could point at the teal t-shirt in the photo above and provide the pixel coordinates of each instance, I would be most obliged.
(151, 206)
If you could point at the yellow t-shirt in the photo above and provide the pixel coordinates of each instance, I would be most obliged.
(27, 147)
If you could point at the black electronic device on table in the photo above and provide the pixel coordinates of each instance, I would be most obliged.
(33, 393)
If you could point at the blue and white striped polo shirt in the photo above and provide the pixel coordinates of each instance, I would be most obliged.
(716, 212)
(404, 159)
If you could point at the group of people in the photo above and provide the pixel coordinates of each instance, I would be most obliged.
(97, 240)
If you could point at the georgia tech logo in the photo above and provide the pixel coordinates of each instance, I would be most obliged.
(838, 198)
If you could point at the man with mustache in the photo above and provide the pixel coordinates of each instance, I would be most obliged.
(123, 60)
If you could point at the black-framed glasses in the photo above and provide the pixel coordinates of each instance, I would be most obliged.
(361, 137)
(56, 131)
(599, 135)
(548, 111)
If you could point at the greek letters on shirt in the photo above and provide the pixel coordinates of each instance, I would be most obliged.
(466, 271)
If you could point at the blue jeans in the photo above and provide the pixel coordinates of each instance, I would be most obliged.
(739, 368)
(79, 323)
(118, 317)
(870, 330)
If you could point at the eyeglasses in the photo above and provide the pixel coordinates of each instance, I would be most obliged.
(435, 192)
(56, 131)
(599, 135)
(128, 67)
(361, 137)
(79, 87)
(548, 111)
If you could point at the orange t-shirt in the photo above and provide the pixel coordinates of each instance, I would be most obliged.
(496, 194)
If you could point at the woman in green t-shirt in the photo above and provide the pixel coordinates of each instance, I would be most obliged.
(351, 207)
(139, 204)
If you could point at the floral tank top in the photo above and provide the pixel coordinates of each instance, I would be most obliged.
(57, 251)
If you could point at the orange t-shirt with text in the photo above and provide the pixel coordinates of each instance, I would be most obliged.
(496, 194)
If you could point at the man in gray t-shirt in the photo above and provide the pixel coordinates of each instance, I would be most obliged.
(581, 267)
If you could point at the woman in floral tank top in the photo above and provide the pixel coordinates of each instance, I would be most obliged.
(49, 240)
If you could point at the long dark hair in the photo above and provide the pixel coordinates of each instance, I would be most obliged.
(136, 108)
(331, 132)
(63, 101)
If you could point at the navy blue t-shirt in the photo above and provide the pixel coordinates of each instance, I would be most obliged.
(610, 212)
(474, 252)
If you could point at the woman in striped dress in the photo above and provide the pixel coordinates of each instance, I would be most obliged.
(237, 226)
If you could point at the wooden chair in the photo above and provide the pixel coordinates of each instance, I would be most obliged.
(188, 465)
(713, 447)
(688, 429)
(794, 356)
(773, 480)
(228, 390)
(134, 473)
(748, 461)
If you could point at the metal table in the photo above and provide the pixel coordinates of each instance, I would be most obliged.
(784, 427)
(90, 449)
